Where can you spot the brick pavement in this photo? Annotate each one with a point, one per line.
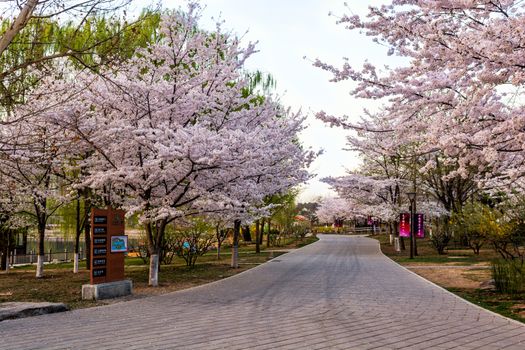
(339, 293)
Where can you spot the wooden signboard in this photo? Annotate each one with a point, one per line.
(108, 245)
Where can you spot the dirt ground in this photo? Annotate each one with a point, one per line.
(458, 277)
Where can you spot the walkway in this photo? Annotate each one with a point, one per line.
(338, 293)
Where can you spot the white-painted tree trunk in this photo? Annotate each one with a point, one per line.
(75, 263)
(154, 270)
(40, 266)
(235, 257)
(391, 239)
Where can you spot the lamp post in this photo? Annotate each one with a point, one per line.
(412, 198)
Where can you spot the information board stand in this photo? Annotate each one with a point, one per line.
(108, 247)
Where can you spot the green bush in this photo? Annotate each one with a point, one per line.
(440, 240)
(509, 276)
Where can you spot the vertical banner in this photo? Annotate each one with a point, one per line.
(404, 225)
(420, 226)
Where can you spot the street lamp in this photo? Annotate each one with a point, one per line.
(412, 198)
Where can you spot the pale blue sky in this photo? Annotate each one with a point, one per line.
(286, 31)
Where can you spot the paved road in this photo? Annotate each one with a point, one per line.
(339, 293)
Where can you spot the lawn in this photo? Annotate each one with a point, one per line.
(61, 285)
(428, 255)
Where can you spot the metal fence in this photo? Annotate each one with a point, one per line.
(50, 256)
(54, 244)
(56, 250)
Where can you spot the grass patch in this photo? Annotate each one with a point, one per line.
(428, 255)
(306, 241)
(511, 306)
(61, 285)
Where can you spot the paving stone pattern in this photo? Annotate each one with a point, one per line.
(338, 293)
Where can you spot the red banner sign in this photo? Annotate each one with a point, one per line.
(404, 225)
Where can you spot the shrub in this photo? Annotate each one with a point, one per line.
(509, 276)
(475, 223)
(439, 241)
(508, 230)
(193, 241)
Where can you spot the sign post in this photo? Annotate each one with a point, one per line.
(108, 247)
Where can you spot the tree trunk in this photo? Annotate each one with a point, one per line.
(18, 24)
(24, 239)
(155, 236)
(401, 239)
(40, 266)
(75, 263)
(219, 241)
(235, 247)
(7, 260)
(246, 235)
(257, 238)
(153, 270)
(3, 262)
(87, 229)
(78, 231)
(87, 241)
(4, 239)
(41, 251)
(261, 236)
(269, 229)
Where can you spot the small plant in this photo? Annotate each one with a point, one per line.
(509, 276)
(275, 237)
(475, 223)
(439, 241)
(193, 241)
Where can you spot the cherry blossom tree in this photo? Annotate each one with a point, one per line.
(331, 210)
(459, 92)
(32, 160)
(175, 131)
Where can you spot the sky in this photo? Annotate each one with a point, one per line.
(290, 34)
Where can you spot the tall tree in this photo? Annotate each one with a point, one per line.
(459, 91)
(175, 132)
